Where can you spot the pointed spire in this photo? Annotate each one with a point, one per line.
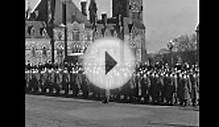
(84, 7)
(93, 11)
(27, 5)
(27, 9)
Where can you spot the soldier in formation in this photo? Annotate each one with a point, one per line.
(159, 84)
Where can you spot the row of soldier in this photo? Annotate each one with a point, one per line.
(159, 85)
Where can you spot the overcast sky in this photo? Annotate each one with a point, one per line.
(164, 19)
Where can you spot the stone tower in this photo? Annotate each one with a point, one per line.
(120, 7)
(93, 11)
(128, 8)
(133, 26)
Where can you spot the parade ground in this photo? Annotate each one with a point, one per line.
(45, 111)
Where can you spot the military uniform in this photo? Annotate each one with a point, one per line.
(27, 80)
(198, 85)
(116, 94)
(84, 86)
(33, 82)
(186, 90)
(106, 96)
(194, 90)
(138, 80)
(133, 89)
(47, 83)
(161, 88)
(155, 89)
(169, 89)
(41, 80)
(78, 82)
(175, 85)
(151, 89)
(37, 75)
(65, 82)
(56, 83)
(145, 83)
(52, 81)
(180, 89)
(73, 84)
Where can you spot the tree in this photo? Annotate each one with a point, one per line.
(186, 47)
(185, 42)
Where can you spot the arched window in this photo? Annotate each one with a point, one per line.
(29, 29)
(33, 51)
(76, 36)
(44, 52)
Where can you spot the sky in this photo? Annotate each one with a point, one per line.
(163, 19)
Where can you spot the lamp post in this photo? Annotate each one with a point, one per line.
(64, 25)
(170, 46)
(197, 34)
(197, 40)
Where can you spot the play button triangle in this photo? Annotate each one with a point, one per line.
(109, 63)
(103, 65)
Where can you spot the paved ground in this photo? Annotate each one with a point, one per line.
(44, 111)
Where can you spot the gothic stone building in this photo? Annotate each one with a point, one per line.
(37, 43)
(126, 23)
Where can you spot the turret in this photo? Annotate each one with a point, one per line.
(84, 7)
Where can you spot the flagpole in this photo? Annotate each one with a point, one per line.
(65, 26)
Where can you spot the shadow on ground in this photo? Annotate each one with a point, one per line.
(172, 125)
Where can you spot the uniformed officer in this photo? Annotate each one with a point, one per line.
(161, 87)
(186, 89)
(48, 84)
(57, 82)
(106, 98)
(169, 89)
(73, 84)
(84, 84)
(27, 80)
(33, 82)
(137, 81)
(194, 89)
(37, 75)
(151, 89)
(43, 78)
(132, 89)
(175, 85)
(155, 88)
(65, 81)
(198, 85)
(52, 80)
(180, 88)
(78, 81)
(60, 79)
(145, 83)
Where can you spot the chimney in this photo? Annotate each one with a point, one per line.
(104, 18)
(84, 7)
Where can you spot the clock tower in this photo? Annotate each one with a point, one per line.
(120, 7)
(136, 9)
(128, 8)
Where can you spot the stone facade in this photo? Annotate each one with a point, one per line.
(126, 24)
(78, 39)
(129, 28)
(37, 43)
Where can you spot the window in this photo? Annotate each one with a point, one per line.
(44, 52)
(76, 36)
(59, 36)
(89, 37)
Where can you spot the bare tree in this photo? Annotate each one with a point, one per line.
(185, 42)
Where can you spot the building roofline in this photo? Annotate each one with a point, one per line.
(35, 6)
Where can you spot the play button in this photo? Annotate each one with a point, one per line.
(109, 63)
